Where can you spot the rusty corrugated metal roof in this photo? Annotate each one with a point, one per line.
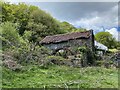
(65, 37)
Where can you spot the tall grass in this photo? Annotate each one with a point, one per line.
(60, 77)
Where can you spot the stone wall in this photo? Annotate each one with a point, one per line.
(70, 43)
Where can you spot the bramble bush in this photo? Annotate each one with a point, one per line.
(19, 47)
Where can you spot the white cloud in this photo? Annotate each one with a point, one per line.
(114, 32)
(99, 20)
(92, 23)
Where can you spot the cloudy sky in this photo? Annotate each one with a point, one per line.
(99, 16)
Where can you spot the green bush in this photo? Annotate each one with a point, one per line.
(9, 35)
(55, 60)
(51, 61)
(88, 56)
(75, 50)
(82, 49)
(100, 63)
(30, 53)
(27, 35)
(21, 48)
(45, 50)
(104, 63)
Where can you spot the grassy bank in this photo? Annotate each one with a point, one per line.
(60, 76)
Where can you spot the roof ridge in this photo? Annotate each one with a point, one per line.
(68, 33)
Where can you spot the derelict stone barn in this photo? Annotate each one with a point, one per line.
(60, 41)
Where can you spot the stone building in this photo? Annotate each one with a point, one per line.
(60, 41)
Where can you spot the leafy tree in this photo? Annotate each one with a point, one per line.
(31, 18)
(42, 24)
(67, 27)
(27, 36)
(21, 14)
(16, 14)
(106, 38)
(6, 12)
(80, 29)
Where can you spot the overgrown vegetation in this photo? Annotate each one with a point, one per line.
(60, 77)
(107, 39)
(22, 27)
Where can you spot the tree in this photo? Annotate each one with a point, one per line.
(16, 14)
(42, 24)
(106, 38)
(33, 19)
(6, 12)
(66, 27)
(30, 18)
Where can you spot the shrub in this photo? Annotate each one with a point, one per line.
(27, 35)
(100, 63)
(88, 56)
(55, 60)
(75, 50)
(45, 50)
(12, 65)
(30, 53)
(9, 34)
(82, 49)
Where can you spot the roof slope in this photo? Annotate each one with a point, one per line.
(101, 46)
(65, 37)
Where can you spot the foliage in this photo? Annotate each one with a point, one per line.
(30, 18)
(30, 54)
(52, 60)
(16, 14)
(22, 27)
(9, 35)
(42, 24)
(27, 35)
(55, 58)
(67, 27)
(118, 45)
(45, 50)
(103, 63)
(113, 50)
(60, 77)
(82, 49)
(88, 56)
(12, 65)
(24, 51)
(106, 38)
(33, 19)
